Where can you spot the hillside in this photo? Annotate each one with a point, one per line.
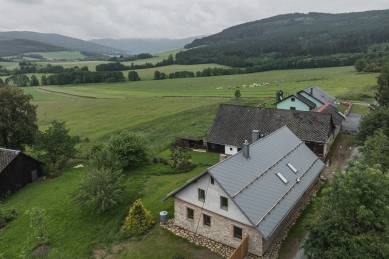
(16, 46)
(145, 45)
(59, 41)
(283, 38)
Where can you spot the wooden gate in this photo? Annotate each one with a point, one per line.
(242, 250)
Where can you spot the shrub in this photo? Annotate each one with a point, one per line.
(129, 147)
(38, 222)
(138, 221)
(101, 157)
(179, 158)
(100, 190)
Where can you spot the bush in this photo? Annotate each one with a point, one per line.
(101, 157)
(38, 223)
(179, 158)
(100, 190)
(129, 147)
(138, 221)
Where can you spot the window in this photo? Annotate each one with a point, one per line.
(292, 108)
(201, 195)
(224, 203)
(292, 167)
(238, 232)
(293, 99)
(190, 213)
(212, 180)
(206, 220)
(282, 177)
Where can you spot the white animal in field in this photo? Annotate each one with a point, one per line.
(219, 88)
(251, 86)
(244, 86)
(229, 87)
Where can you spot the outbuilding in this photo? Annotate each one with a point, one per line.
(17, 170)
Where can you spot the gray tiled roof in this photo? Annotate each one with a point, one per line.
(6, 157)
(336, 116)
(252, 184)
(320, 95)
(233, 124)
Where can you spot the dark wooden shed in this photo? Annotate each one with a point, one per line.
(17, 170)
(192, 142)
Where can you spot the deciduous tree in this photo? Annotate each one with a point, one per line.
(377, 119)
(55, 143)
(376, 150)
(34, 81)
(352, 220)
(17, 118)
(382, 94)
(237, 94)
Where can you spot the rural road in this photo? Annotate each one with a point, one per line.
(61, 94)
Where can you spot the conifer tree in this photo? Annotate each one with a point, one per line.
(139, 220)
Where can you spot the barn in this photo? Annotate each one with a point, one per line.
(17, 170)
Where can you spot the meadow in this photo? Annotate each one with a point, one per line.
(342, 82)
(160, 110)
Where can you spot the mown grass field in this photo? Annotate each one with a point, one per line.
(341, 82)
(60, 54)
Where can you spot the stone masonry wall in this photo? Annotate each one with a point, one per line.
(221, 229)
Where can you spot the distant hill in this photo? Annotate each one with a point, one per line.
(133, 45)
(42, 41)
(9, 47)
(295, 40)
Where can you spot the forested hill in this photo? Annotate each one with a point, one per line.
(291, 38)
(59, 41)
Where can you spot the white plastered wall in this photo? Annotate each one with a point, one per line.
(212, 200)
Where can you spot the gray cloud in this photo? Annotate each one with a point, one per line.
(88, 19)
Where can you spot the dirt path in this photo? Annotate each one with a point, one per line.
(61, 94)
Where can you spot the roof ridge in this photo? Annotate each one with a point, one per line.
(267, 169)
(323, 107)
(290, 188)
(261, 139)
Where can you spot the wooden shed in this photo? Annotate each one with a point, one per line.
(191, 142)
(17, 170)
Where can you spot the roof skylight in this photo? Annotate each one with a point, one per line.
(282, 177)
(292, 167)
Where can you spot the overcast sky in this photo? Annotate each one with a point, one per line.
(92, 19)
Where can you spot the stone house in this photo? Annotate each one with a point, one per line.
(253, 192)
(307, 99)
(233, 124)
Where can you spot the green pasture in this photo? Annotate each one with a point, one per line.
(60, 54)
(9, 65)
(73, 233)
(148, 74)
(342, 82)
(159, 119)
(40, 96)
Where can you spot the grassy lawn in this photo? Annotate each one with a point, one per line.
(197, 157)
(342, 108)
(361, 109)
(76, 234)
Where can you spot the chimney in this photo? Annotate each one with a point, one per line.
(311, 90)
(246, 149)
(255, 136)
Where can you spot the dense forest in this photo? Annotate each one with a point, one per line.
(295, 41)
